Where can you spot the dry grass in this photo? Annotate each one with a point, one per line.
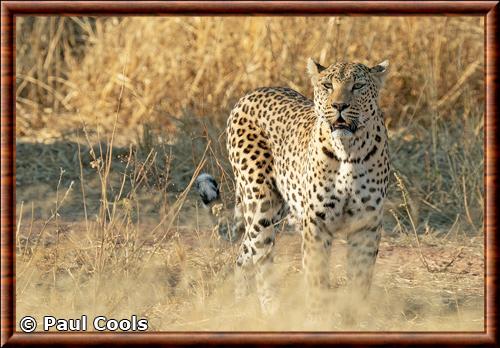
(115, 117)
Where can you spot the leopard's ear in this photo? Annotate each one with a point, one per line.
(313, 69)
(379, 72)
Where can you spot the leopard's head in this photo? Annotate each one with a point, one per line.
(346, 95)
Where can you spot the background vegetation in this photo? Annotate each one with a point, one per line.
(115, 116)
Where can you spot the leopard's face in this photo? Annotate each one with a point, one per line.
(346, 95)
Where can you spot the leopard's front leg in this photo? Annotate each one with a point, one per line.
(316, 247)
(362, 251)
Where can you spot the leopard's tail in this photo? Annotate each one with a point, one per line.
(207, 188)
(229, 226)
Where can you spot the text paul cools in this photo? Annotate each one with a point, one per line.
(99, 323)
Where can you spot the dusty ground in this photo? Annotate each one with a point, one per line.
(185, 284)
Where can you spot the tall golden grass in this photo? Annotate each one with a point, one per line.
(202, 65)
(148, 99)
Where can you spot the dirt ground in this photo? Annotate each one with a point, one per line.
(186, 284)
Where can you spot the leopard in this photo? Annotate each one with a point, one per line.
(323, 160)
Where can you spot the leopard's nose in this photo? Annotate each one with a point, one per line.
(340, 106)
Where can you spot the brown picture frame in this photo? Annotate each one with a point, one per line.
(11, 9)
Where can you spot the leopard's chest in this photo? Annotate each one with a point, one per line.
(350, 197)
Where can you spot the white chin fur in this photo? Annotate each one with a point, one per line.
(341, 133)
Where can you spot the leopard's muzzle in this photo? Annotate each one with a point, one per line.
(342, 128)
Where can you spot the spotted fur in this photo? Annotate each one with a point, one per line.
(326, 160)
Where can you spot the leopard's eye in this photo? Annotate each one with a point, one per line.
(327, 85)
(357, 86)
